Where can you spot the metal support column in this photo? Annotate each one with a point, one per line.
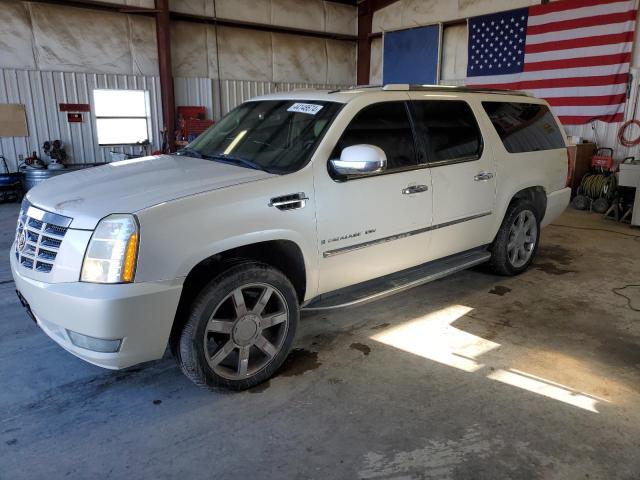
(365, 20)
(366, 9)
(163, 33)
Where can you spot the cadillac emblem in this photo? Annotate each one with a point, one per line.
(22, 241)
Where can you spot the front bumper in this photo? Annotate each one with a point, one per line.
(140, 314)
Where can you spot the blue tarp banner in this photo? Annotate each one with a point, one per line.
(411, 56)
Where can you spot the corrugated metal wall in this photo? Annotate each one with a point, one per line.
(222, 96)
(42, 92)
(195, 91)
(234, 92)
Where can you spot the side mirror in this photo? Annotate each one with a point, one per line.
(360, 160)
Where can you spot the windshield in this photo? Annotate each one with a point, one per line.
(277, 136)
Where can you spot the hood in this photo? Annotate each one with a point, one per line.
(128, 186)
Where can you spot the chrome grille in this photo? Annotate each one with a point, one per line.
(39, 235)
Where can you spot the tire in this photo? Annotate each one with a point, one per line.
(509, 237)
(240, 328)
(580, 202)
(601, 205)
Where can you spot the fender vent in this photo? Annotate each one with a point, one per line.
(293, 201)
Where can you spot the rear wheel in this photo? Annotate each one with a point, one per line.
(517, 240)
(240, 329)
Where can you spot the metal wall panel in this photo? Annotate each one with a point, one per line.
(42, 92)
(228, 94)
(234, 92)
(195, 91)
(606, 135)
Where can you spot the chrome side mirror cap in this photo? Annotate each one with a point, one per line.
(360, 160)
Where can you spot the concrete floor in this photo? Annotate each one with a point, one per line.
(474, 376)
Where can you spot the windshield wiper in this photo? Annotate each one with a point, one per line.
(189, 152)
(243, 162)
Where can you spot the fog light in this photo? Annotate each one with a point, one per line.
(94, 344)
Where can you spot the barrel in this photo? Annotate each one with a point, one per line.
(34, 176)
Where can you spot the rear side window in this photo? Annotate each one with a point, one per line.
(524, 127)
(385, 125)
(448, 129)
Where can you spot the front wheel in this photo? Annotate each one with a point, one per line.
(517, 240)
(241, 328)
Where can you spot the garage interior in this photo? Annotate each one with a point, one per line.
(471, 376)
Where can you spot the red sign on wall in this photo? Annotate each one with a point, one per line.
(74, 117)
(75, 107)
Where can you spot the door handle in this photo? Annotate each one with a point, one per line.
(411, 189)
(481, 176)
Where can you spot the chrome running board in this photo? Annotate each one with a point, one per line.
(397, 282)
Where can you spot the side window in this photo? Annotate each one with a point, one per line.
(385, 125)
(524, 127)
(448, 129)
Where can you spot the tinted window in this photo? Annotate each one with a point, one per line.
(524, 127)
(385, 125)
(448, 129)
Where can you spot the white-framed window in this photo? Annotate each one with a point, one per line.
(122, 117)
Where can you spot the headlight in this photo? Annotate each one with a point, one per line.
(112, 252)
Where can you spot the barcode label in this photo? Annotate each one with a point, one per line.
(308, 108)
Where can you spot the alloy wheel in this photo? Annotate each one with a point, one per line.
(246, 331)
(522, 238)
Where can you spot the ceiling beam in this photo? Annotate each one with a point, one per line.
(223, 22)
(376, 5)
(100, 5)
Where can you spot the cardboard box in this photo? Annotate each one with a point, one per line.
(13, 121)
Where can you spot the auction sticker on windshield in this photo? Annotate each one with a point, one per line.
(308, 108)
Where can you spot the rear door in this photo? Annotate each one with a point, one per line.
(463, 171)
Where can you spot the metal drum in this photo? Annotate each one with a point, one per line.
(34, 176)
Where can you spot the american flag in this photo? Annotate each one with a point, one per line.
(573, 53)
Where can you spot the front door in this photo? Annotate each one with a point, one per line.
(463, 172)
(378, 224)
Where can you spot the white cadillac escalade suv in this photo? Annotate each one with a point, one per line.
(299, 200)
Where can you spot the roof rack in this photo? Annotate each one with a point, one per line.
(440, 88)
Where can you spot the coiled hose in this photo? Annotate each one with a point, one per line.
(622, 134)
(598, 185)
